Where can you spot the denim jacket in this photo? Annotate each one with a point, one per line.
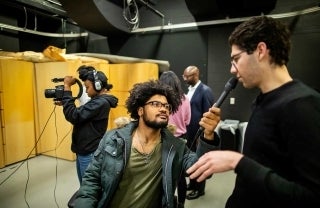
(103, 175)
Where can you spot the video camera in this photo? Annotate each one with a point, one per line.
(57, 93)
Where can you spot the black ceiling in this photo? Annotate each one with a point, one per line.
(211, 9)
(105, 17)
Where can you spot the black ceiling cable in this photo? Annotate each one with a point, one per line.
(35, 23)
(63, 28)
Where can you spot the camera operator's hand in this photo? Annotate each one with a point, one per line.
(68, 82)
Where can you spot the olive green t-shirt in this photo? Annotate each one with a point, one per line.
(141, 182)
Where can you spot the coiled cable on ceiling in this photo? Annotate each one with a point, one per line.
(131, 13)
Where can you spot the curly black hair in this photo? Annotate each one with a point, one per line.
(142, 92)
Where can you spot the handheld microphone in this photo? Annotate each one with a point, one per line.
(55, 80)
(230, 85)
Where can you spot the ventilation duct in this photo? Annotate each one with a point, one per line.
(98, 16)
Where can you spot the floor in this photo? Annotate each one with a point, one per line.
(47, 182)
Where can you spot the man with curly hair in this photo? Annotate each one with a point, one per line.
(139, 164)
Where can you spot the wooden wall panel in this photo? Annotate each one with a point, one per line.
(141, 72)
(17, 110)
(34, 122)
(123, 77)
(54, 129)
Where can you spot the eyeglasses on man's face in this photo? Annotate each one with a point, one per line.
(159, 105)
(187, 75)
(235, 58)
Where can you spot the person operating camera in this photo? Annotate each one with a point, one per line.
(90, 120)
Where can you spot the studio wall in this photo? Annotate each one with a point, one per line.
(204, 46)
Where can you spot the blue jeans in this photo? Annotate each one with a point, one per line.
(82, 163)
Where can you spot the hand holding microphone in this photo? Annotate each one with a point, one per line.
(209, 122)
(230, 85)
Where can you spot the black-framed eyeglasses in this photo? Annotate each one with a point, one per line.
(158, 105)
(235, 58)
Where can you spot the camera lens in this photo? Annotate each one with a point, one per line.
(50, 93)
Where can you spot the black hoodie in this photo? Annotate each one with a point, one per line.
(89, 121)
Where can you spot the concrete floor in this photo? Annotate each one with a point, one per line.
(47, 182)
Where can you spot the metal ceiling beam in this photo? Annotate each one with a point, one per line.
(193, 25)
(35, 32)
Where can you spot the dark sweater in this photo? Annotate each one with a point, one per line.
(281, 167)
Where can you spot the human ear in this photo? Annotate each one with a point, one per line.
(262, 49)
